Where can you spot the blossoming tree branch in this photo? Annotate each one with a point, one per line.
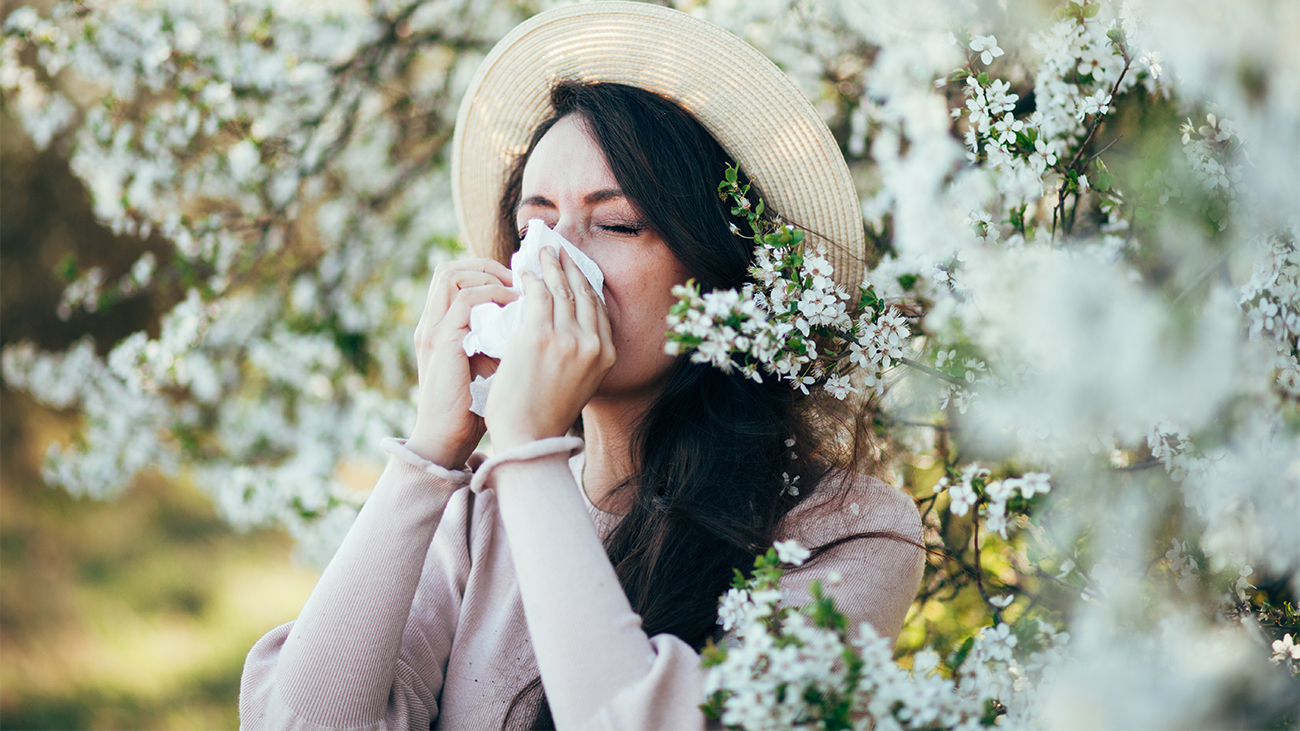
(1078, 329)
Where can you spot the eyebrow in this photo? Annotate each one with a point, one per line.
(591, 199)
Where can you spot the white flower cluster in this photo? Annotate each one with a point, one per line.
(1264, 456)
(722, 322)
(123, 428)
(242, 131)
(765, 679)
(1183, 565)
(972, 488)
(1286, 651)
(1209, 150)
(83, 292)
(1076, 80)
(1271, 302)
(150, 365)
(42, 111)
(776, 322)
(884, 340)
(968, 375)
(775, 331)
(783, 668)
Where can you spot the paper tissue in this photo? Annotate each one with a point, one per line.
(491, 325)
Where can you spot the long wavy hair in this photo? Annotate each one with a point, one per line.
(710, 454)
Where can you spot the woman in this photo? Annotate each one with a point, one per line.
(592, 564)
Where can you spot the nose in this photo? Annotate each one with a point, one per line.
(567, 226)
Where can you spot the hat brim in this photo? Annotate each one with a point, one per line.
(748, 104)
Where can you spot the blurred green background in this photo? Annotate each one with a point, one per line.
(134, 613)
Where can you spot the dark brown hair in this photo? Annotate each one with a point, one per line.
(709, 455)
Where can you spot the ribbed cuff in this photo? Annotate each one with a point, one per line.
(398, 449)
(547, 447)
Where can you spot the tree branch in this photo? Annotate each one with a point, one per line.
(932, 372)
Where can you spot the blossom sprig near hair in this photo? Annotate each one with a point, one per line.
(792, 320)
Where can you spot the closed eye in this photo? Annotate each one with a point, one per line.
(623, 230)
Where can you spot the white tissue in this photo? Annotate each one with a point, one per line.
(491, 325)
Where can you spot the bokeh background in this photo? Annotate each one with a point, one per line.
(299, 162)
(130, 613)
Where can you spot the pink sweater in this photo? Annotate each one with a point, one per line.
(419, 620)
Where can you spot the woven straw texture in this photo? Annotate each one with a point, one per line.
(749, 105)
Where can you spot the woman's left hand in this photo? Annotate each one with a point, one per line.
(555, 360)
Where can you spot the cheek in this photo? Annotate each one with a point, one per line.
(639, 296)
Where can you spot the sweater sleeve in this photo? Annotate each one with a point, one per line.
(599, 668)
(872, 578)
(350, 661)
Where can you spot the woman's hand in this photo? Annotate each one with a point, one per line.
(446, 431)
(556, 359)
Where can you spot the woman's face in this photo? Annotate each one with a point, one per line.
(568, 184)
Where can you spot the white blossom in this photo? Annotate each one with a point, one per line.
(986, 47)
(790, 552)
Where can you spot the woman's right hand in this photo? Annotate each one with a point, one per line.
(446, 431)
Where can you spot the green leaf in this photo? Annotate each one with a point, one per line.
(869, 298)
(1104, 181)
(716, 703)
(1018, 217)
(1090, 11)
(67, 268)
(983, 78)
(758, 210)
(991, 713)
(731, 174)
(959, 656)
(1071, 181)
(712, 655)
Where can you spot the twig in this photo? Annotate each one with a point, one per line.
(925, 424)
(1096, 125)
(979, 570)
(932, 372)
(1139, 466)
(1109, 145)
(1192, 285)
(1059, 210)
(1043, 574)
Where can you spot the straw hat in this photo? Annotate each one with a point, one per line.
(748, 104)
